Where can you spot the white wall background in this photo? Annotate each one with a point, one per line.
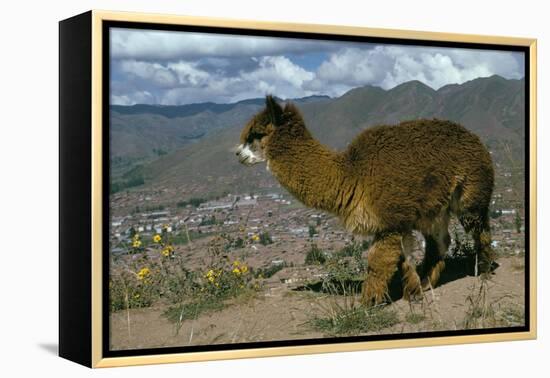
(29, 174)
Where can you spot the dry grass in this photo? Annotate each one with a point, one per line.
(354, 320)
(415, 318)
(485, 313)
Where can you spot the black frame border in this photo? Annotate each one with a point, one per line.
(75, 194)
(107, 25)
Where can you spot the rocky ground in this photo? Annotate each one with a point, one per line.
(286, 310)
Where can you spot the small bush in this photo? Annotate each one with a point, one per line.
(132, 289)
(356, 320)
(195, 202)
(265, 238)
(191, 310)
(269, 271)
(315, 256)
(351, 250)
(233, 243)
(209, 221)
(311, 230)
(132, 179)
(210, 289)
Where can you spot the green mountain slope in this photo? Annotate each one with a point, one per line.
(492, 107)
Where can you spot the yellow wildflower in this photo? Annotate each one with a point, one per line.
(236, 263)
(244, 269)
(210, 275)
(256, 237)
(157, 238)
(136, 243)
(237, 271)
(143, 273)
(167, 251)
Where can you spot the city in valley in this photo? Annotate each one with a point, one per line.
(193, 216)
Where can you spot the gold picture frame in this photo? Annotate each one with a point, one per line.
(82, 109)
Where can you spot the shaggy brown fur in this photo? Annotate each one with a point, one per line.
(382, 259)
(389, 181)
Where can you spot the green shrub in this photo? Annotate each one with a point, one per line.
(269, 271)
(132, 289)
(265, 238)
(315, 256)
(355, 320)
(195, 202)
(209, 221)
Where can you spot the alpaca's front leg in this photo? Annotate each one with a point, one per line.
(383, 259)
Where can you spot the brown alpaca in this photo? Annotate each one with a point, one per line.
(389, 181)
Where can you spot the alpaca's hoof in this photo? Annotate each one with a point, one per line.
(426, 284)
(373, 294)
(412, 290)
(370, 299)
(413, 294)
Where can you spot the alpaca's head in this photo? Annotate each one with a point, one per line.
(257, 131)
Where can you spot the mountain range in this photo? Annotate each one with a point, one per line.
(143, 132)
(171, 145)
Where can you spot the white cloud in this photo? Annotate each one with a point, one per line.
(138, 97)
(189, 74)
(176, 68)
(184, 82)
(354, 65)
(173, 45)
(154, 72)
(284, 69)
(388, 66)
(278, 75)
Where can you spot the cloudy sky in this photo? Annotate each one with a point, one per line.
(174, 68)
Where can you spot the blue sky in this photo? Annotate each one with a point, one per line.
(174, 68)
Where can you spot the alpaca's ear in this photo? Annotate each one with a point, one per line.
(274, 110)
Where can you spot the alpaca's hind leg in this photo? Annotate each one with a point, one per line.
(478, 224)
(410, 278)
(433, 264)
(437, 244)
(383, 259)
(483, 245)
(473, 212)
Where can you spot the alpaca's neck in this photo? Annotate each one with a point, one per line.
(307, 169)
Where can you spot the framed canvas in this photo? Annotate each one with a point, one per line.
(235, 189)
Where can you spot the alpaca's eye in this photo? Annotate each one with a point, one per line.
(254, 136)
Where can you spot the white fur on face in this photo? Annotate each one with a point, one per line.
(247, 155)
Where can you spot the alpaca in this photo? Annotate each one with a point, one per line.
(389, 181)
